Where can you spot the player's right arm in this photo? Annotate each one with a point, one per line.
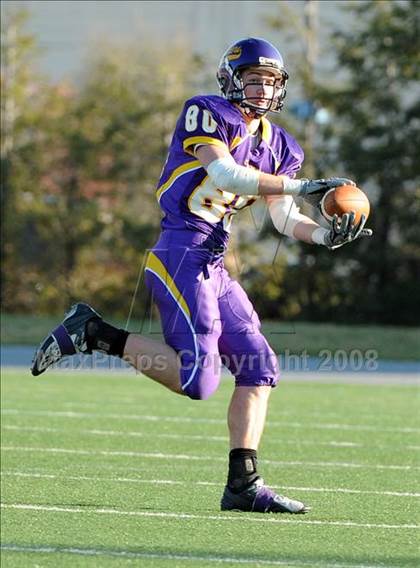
(226, 174)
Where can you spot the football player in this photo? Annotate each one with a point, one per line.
(224, 155)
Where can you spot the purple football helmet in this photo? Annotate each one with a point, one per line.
(252, 52)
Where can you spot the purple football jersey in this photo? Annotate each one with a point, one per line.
(185, 193)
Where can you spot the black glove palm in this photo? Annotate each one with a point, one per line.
(345, 230)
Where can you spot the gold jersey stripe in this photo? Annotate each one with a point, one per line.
(179, 171)
(266, 136)
(155, 265)
(202, 140)
(235, 142)
(266, 130)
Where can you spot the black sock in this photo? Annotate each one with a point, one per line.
(104, 337)
(242, 469)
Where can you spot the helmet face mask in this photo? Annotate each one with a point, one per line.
(260, 85)
(257, 55)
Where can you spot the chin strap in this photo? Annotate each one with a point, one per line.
(252, 112)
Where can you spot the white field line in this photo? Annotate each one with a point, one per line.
(188, 516)
(191, 420)
(138, 434)
(199, 483)
(191, 457)
(127, 434)
(75, 405)
(254, 561)
(213, 404)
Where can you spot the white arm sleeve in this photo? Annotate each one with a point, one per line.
(227, 175)
(285, 214)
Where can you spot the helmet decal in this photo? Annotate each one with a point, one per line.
(234, 53)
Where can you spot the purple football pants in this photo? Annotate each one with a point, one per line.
(206, 316)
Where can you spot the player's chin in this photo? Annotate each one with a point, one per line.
(263, 107)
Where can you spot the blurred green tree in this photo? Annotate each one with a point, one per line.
(377, 124)
(373, 137)
(109, 140)
(19, 81)
(83, 180)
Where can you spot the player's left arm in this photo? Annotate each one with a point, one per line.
(289, 221)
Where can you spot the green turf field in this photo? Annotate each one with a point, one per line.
(107, 469)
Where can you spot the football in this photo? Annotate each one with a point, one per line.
(345, 199)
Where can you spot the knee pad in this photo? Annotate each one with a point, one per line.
(202, 380)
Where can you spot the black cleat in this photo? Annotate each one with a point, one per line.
(260, 499)
(66, 339)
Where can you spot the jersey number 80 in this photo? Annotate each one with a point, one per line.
(208, 124)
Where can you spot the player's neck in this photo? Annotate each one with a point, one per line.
(252, 124)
